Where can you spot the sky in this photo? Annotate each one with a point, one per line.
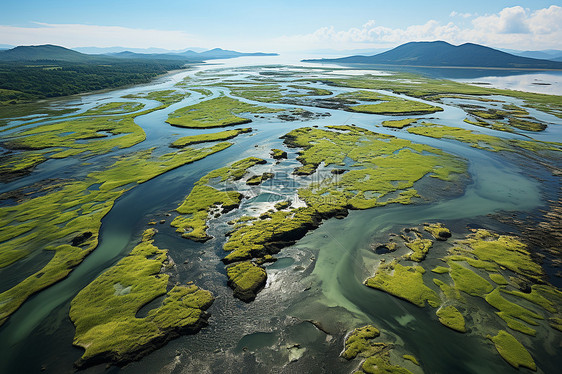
(280, 26)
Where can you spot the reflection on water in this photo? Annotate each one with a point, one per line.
(547, 83)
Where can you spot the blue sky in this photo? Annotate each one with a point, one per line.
(281, 25)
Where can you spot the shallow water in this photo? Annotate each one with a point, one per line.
(320, 278)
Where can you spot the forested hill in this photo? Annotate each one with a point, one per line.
(35, 72)
(443, 54)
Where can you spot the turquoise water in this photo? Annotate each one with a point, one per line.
(318, 279)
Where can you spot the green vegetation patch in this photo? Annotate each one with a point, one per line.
(400, 123)
(397, 106)
(420, 247)
(438, 231)
(441, 270)
(96, 135)
(449, 316)
(246, 279)
(512, 351)
(475, 140)
(311, 91)
(504, 250)
(479, 264)
(490, 113)
(497, 278)
(218, 112)
(498, 126)
(381, 364)
(11, 97)
(16, 164)
(114, 108)
(278, 154)
(166, 97)
(204, 138)
(556, 323)
(405, 282)
(480, 141)
(451, 293)
(259, 179)
(282, 205)
(411, 358)
(195, 209)
(266, 93)
(268, 235)
(468, 281)
(360, 342)
(515, 110)
(104, 312)
(527, 125)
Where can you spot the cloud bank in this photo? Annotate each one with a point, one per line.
(514, 27)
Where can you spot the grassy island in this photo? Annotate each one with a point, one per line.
(405, 282)
(104, 312)
(400, 123)
(452, 318)
(218, 112)
(512, 351)
(205, 138)
(246, 279)
(376, 355)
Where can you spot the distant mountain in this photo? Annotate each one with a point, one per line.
(219, 53)
(108, 50)
(150, 56)
(440, 53)
(545, 54)
(535, 54)
(45, 52)
(346, 52)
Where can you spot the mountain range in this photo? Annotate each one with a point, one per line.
(443, 54)
(56, 53)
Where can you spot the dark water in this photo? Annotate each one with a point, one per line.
(318, 279)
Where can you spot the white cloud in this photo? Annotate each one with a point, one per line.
(509, 21)
(463, 15)
(369, 33)
(547, 21)
(75, 35)
(514, 27)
